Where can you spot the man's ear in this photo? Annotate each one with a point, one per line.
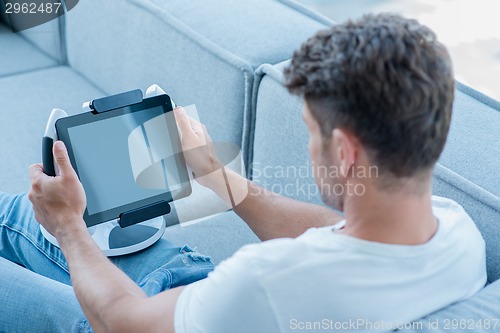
(344, 146)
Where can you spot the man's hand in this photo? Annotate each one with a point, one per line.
(197, 146)
(58, 202)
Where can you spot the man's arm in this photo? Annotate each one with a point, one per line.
(111, 301)
(268, 214)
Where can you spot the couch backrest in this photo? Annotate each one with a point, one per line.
(200, 52)
(47, 37)
(467, 171)
(280, 155)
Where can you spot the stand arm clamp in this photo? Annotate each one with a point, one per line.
(117, 101)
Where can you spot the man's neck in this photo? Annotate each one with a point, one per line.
(390, 217)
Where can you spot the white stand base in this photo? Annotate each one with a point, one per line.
(116, 241)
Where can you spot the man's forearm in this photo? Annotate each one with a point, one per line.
(268, 214)
(98, 284)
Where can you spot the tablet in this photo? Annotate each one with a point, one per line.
(127, 158)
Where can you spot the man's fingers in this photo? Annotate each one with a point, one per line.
(195, 125)
(182, 120)
(187, 123)
(35, 171)
(62, 159)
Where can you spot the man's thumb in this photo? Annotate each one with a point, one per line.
(62, 158)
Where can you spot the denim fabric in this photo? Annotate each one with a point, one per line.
(39, 297)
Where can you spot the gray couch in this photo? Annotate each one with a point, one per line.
(227, 57)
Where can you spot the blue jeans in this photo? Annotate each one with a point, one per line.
(35, 287)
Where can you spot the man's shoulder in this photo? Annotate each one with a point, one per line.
(452, 216)
(270, 251)
(279, 254)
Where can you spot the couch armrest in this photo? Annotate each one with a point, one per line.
(479, 314)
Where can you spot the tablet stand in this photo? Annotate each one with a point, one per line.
(134, 230)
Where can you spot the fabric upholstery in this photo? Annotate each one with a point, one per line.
(201, 52)
(29, 99)
(18, 55)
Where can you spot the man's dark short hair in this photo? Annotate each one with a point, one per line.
(387, 80)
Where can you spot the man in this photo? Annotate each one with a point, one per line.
(378, 93)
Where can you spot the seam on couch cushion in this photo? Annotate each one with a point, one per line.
(272, 71)
(58, 61)
(206, 42)
(479, 96)
(247, 121)
(268, 69)
(308, 12)
(29, 71)
(187, 31)
(466, 186)
(61, 26)
(249, 130)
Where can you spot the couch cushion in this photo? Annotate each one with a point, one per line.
(477, 314)
(19, 55)
(280, 143)
(201, 52)
(29, 99)
(218, 237)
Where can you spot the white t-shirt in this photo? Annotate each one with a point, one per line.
(326, 281)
